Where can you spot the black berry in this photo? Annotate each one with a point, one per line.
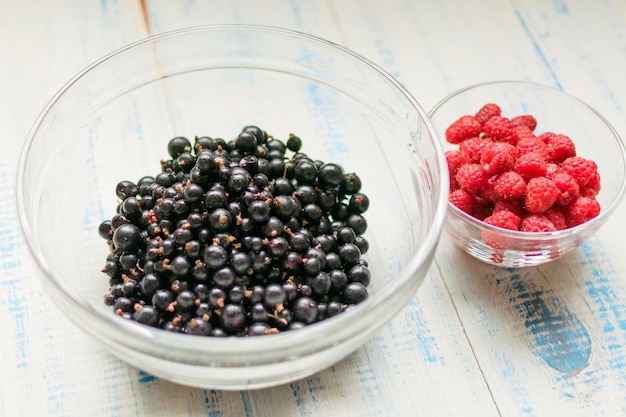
(241, 237)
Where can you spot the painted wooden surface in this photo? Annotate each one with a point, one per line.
(474, 341)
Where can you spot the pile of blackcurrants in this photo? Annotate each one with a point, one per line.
(242, 237)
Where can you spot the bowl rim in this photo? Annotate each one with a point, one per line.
(541, 236)
(235, 345)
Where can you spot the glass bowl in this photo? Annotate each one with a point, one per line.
(555, 111)
(112, 122)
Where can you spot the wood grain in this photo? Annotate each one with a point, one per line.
(474, 341)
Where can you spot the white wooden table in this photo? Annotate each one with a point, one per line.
(474, 341)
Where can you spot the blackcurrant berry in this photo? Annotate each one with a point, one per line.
(305, 310)
(233, 318)
(198, 327)
(177, 146)
(294, 143)
(330, 175)
(351, 183)
(104, 230)
(354, 293)
(359, 203)
(126, 237)
(246, 142)
(125, 189)
(147, 315)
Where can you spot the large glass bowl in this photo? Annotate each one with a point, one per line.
(555, 111)
(112, 122)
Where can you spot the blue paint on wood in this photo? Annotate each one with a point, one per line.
(609, 302)
(247, 404)
(212, 403)
(299, 396)
(12, 284)
(421, 331)
(144, 377)
(542, 56)
(561, 7)
(559, 338)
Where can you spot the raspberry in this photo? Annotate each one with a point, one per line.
(509, 186)
(514, 206)
(580, 168)
(526, 120)
(593, 186)
(545, 136)
(560, 147)
(500, 129)
(556, 216)
(473, 147)
(488, 192)
(551, 169)
(481, 208)
(528, 144)
(465, 127)
(530, 165)
(581, 210)
(521, 133)
(507, 175)
(498, 157)
(455, 159)
(471, 178)
(541, 193)
(504, 219)
(488, 111)
(462, 200)
(537, 223)
(568, 188)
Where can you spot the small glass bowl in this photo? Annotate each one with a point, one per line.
(112, 122)
(555, 111)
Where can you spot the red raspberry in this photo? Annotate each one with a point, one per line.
(505, 174)
(488, 193)
(499, 129)
(568, 188)
(580, 168)
(551, 169)
(530, 165)
(541, 193)
(593, 186)
(581, 210)
(526, 120)
(481, 208)
(504, 219)
(498, 157)
(455, 159)
(509, 186)
(545, 136)
(557, 218)
(560, 147)
(488, 111)
(528, 144)
(471, 178)
(514, 206)
(537, 223)
(465, 127)
(473, 147)
(462, 200)
(521, 133)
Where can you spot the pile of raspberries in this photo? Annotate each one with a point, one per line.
(507, 175)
